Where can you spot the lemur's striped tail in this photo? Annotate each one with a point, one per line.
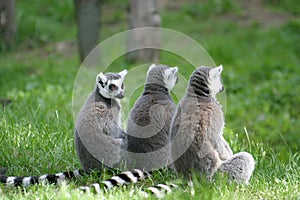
(159, 190)
(126, 178)
(44, 179)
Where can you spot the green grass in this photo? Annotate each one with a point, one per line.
(261, 77)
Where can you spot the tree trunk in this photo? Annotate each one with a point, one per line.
(8, 24)
(88, 23)
(143, 13)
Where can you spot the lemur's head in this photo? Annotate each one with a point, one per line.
(206, 81)
(111, 85)
(215, 80)
(162, 75)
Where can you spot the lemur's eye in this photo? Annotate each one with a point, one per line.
(112, 87)
(122, 86)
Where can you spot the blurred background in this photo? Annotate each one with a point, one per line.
(42, 44)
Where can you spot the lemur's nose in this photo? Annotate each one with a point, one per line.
(120, 95)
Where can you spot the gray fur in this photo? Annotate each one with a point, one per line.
(198, 125)
(239, 167)
(149, 120)
(98, 132)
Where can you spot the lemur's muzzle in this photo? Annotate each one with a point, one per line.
(120, 95)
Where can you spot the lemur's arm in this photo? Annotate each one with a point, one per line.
(223, 148)
(114, 130)
(108, 121)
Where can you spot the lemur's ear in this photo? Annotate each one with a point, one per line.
(123, 73)
(151, 67)
(174, 70)
(214, 72)
(171, 71)
(101, 79)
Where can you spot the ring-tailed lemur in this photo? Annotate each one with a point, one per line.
(198, 127)
(149, 120)
(100, 116)
(99, 136)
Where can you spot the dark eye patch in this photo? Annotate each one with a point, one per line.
(101, 83)
(122, 86)
(113, 87)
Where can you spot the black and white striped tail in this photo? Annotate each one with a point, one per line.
(159, 190)
(44, 179)
(126, 178)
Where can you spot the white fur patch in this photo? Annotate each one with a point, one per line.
(150, 68)
(42, 179)
(165, 187)
(26, 181)
(170, 77)
(119, 180)
(76, 173)
(108, 184)
(214, 81)
(97, 188)
(10, 180)
(60, 175)
(130, 176)
(101, 77)
(156, 192)
(123, 73)
(141, 174)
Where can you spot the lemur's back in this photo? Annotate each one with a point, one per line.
(197, 122)
(197, 132)
(161, 108)
(149, 120)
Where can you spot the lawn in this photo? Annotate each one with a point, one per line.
(257, 44)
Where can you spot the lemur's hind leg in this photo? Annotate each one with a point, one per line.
(239, 167)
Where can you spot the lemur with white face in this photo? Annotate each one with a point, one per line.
(99, 136)
(98, 121)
